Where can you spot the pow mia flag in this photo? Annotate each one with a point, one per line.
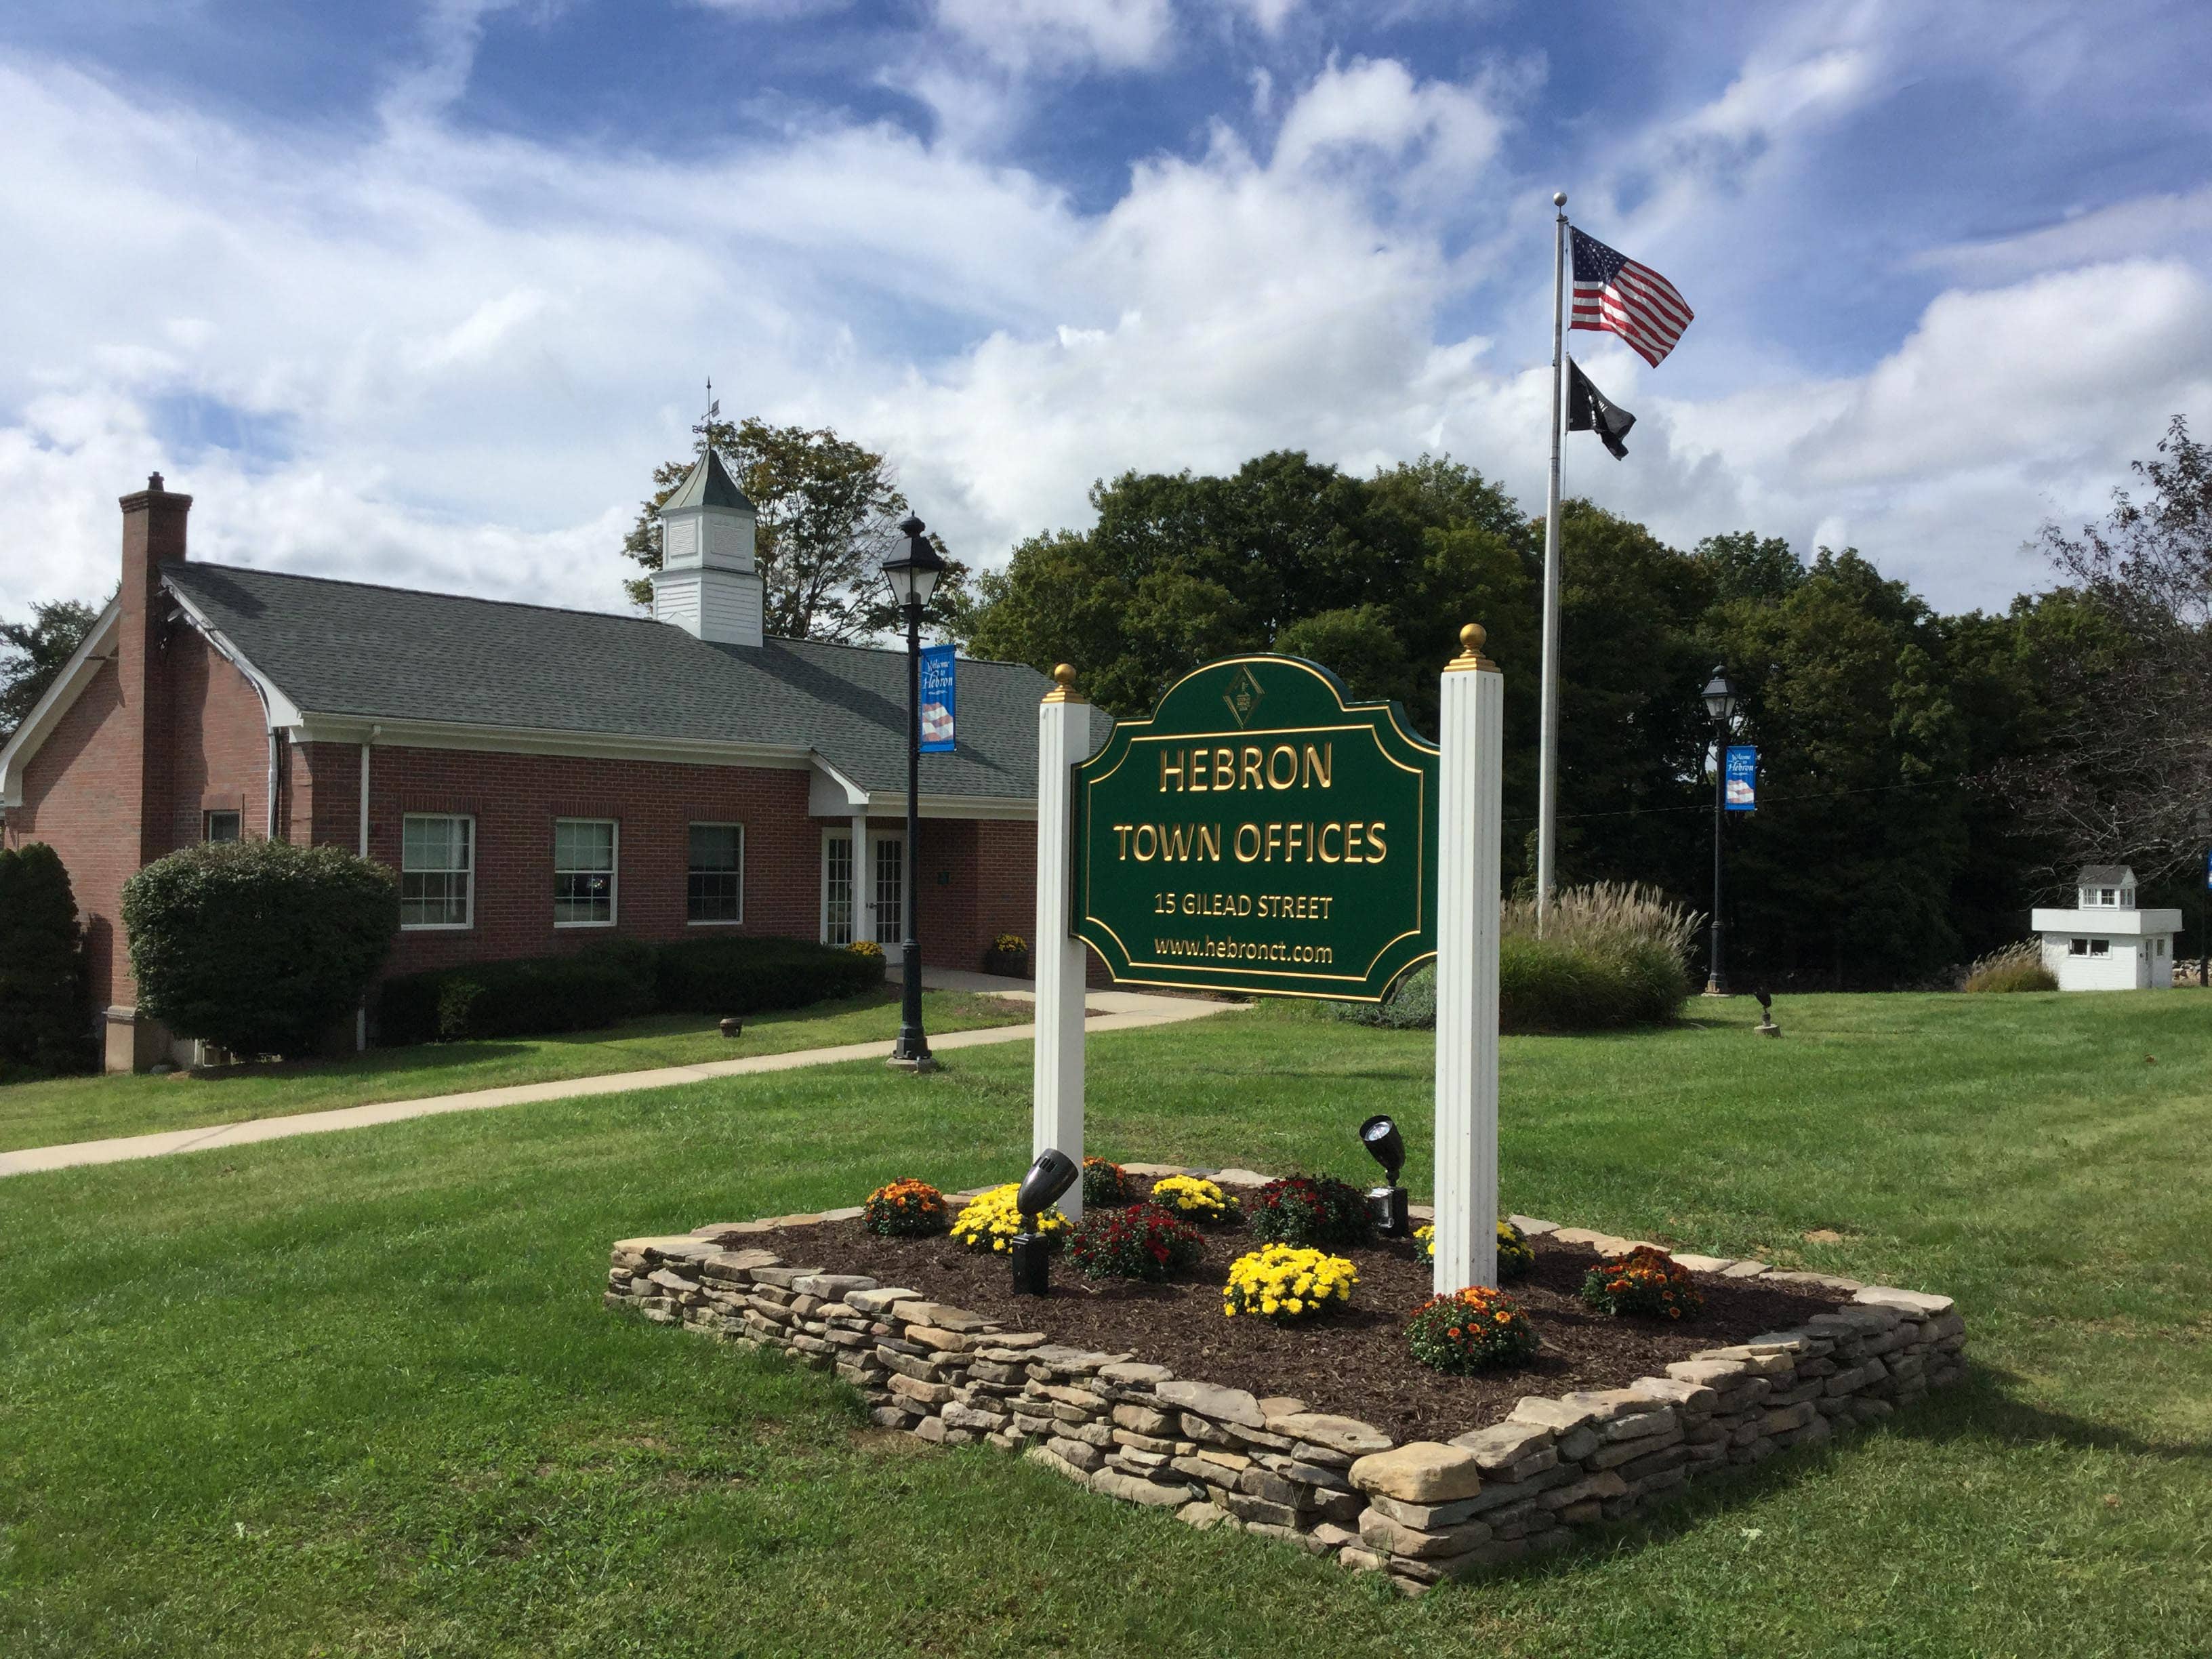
(1589, 410)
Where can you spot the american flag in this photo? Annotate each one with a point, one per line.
(1616, 296)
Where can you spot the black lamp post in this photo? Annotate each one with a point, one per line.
(912, 570)
(1721, 704)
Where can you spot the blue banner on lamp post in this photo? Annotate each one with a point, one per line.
(1742, 770)
(936, 699)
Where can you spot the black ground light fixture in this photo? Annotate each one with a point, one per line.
(1385, 1205)
(912, 571)
(1721, 703)
(1053, 1174)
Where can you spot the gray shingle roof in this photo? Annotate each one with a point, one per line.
(2104, 875)
(351, 649)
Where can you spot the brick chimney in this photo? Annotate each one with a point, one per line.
(153, 533)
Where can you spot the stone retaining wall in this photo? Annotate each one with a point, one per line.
(1422, 1511)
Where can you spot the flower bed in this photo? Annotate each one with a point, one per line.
(1358, 1451)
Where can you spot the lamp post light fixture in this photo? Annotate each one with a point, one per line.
(1720, 702)
(912, 571)
(1030, 1252)
(1385, 1205)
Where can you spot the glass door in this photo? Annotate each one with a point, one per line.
(837, 887)
(891, 889)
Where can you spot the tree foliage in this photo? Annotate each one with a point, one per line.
(258, 945)
(33, 652)
(2125, 775)
(1880, 855)
(828, 512)
(45, 1013)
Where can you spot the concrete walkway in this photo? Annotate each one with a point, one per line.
(1105, 1011)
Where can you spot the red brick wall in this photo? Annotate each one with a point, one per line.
(81, 790)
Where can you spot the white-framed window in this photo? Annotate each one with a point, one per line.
(891, 889)
(714, 882)
(837, 887)
(2077, 947)
(2101, 947)
(221, 826)
(437, 870)
(2158, 947)
(584, 856)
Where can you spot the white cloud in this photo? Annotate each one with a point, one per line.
(1057, 34)
(472, 351)
(2146, 225)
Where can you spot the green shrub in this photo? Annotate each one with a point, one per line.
(1310, 1209)
(534, 996)
(45, 1019)
(258, 945)
(2017, 967)
(754, 976)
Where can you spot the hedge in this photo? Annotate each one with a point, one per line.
(45, 1017)
(258, 945)
(539, 996)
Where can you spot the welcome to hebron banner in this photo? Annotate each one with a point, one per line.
(1260, 833)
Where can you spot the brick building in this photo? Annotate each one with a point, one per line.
(539, 778)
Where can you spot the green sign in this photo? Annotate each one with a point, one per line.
(1259, 833)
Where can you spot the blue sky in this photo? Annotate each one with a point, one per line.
(420, 290)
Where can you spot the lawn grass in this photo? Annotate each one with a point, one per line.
(354, 1394)
(57, 1110)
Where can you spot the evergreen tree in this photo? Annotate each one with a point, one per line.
(45, 1019)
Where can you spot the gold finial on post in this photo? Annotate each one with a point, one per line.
(1471, 639)
(1065, 691)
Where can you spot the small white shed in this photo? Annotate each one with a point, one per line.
(2105, 943)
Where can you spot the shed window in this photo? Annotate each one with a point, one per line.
(437, 871)
(2077, 947)
(2101, 947)
(2107, 896)
(583, 873)
(715, 889)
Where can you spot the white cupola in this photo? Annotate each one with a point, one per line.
(707, 585)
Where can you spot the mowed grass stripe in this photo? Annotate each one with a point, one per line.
(354, 1394)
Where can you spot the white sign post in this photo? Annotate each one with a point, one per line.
(1472, 738)
(1056, 956)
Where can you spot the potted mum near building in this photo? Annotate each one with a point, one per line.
(1008, 956)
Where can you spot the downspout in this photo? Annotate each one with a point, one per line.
(361, 1014)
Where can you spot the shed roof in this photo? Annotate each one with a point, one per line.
(2106, 875)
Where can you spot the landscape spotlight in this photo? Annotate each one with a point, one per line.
(1052, 1174)
(1386, 1204)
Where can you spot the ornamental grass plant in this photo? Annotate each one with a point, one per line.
(1611, 955)
(1310, 1209)
(905, 1209)
(1476, 1329)
(1286, 1284)
(1140, 1241)
(1645, 1282)
(2018, 967)
(990, 1222)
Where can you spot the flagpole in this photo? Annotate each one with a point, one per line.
(1548, 765)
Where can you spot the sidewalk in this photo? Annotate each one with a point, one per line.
(1105, 1011)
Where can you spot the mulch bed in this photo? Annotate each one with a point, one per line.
(1352, 1361)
